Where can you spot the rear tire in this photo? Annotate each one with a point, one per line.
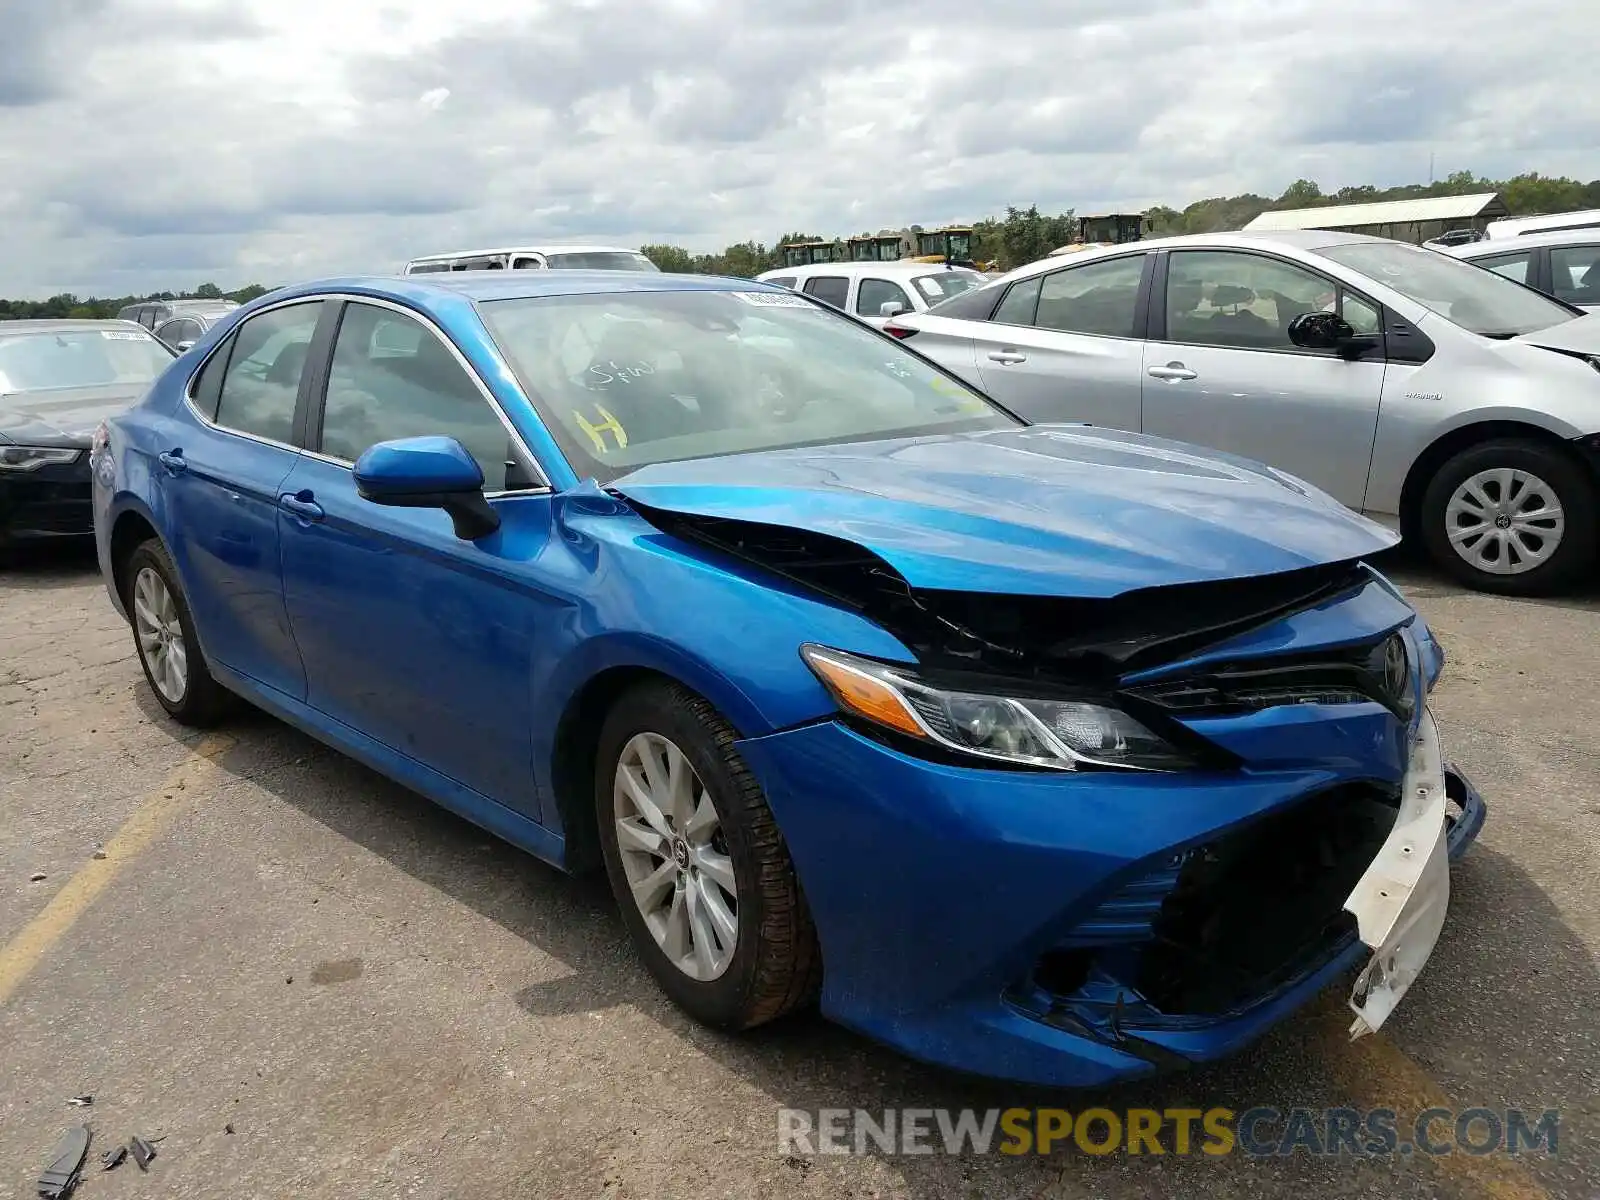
(163, 634)
(680, 855)
(1511, 516)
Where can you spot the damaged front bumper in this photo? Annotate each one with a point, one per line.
(955, 884)
(1400, 903)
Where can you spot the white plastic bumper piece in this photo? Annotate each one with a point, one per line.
(1399, 904)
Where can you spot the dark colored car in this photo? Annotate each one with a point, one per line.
(58, 380)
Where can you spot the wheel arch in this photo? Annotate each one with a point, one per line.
(130, 529)
(606, 673)
(1452, 442)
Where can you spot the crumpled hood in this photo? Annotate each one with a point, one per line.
(1062, 510)
(1581, 335)
(62, 416)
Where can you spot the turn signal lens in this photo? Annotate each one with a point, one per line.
(860, 693)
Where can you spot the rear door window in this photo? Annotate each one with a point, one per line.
(1095, 298)
(1512, 266)
(262, 380)
(873, 294)
(1021, 301)
(830, 289)
(1575, 273)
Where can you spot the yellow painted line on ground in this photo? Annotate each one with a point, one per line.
(149, 817)
(1375, 1073)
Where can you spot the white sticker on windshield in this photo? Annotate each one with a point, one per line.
(774, 299)
(930, 286)
(117, 335)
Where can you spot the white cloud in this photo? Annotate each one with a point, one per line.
(159, 143)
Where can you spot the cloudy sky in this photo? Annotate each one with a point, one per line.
(148, 144)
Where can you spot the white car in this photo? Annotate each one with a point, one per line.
(876, 291)
(533, 258)
(1564, 264)
(1433, 396)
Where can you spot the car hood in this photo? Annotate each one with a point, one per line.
(62, 416)
(1581, 335)
(1061, 510)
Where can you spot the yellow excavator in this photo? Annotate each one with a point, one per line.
(877, 247)
(1106, 229)
(804, 254)
(951, 245)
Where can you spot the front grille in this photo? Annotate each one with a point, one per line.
(1346, 676)
(1222, 925)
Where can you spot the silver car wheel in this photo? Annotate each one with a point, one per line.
(1505, 521)
(160, 636)
(676, 860)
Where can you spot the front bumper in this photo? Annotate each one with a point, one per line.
(53, 501)
(939, 890)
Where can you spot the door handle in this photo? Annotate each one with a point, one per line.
(1171, 372)
(303, 505)
(173, 461)
(1009, 357)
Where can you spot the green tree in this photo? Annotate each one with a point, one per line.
(673, 259)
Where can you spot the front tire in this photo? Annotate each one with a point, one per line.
(701, 873)
(163, 633)
(1511, 516)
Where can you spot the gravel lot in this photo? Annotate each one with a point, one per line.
(312, 983)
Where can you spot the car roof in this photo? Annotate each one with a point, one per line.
(898, 267)
(519, 285)
(1510, 245)
(525, 248)
(64, 325)
(1238, 239)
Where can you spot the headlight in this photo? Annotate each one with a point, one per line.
(31, 458)
(1063, 735)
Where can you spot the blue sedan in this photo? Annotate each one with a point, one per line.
(1046, 752)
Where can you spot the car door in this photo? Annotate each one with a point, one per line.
(1220, 370)
(1065, 346)
(219, 477)
(410, 635)
(873, 293)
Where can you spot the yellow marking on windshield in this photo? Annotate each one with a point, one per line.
(595, 431)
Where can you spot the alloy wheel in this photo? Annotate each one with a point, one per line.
(675, 856)
(160, 635)
(1505, 521)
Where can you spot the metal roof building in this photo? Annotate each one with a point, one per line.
(1405, 220)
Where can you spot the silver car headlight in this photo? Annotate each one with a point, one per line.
(1063, 735)
(31, 458)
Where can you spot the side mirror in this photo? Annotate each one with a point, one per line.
(891, 308)
(1329, 331)
(428, 472)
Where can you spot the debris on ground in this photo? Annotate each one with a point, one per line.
(228, 1128)
(38, 877)
(65, 1167)
(143, 1151)
(113, 1158)
(83, 1101)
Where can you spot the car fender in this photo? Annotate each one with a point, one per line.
(1404, 437)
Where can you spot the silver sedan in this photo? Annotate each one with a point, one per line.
(1435, 397)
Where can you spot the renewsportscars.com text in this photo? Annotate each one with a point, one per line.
(1258, 1132)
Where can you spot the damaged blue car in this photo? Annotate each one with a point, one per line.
(1051, 753)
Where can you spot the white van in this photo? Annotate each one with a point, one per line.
(875, 291)
(533, 258)
(1507, 227)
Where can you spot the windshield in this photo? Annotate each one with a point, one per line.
(632, 378)
(1470, 296)
(71, 358)
(601, 260)
(946, 284)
